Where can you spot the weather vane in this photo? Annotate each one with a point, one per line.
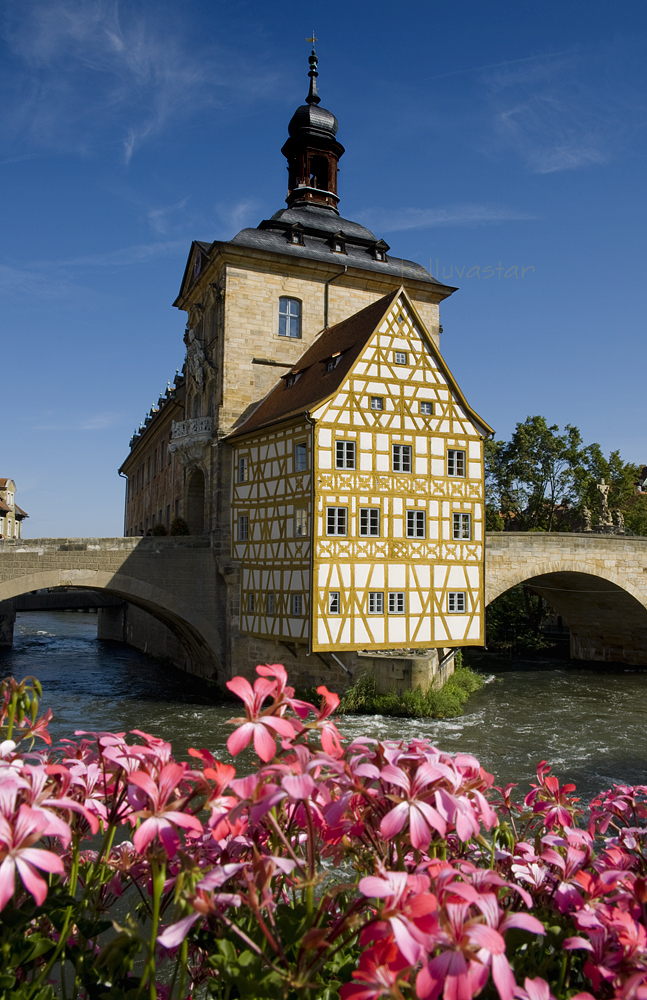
(312, 40)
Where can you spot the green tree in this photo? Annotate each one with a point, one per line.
(543, 479)
(532, 475)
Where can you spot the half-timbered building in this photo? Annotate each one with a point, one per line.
(357, 499)
(316, 436)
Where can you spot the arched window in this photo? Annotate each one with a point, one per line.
(289, 318)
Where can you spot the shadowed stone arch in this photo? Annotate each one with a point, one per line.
(173, 579)
(598, 585)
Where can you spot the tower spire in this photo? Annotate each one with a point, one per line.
(313, 96)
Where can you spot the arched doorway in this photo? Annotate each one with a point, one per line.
(195, 503)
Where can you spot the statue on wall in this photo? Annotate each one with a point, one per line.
(620, 522)
(586, 517)
(194, 358)
(605, 514)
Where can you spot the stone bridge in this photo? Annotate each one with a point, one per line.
(171, 578)
(597, 583)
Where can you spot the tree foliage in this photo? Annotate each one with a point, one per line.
(544, 479)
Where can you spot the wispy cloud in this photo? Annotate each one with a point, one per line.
(84, 74)
(563, 111)
(92, 422)
(126, 256)
(238, 215)
(159, 217)
(397, 220)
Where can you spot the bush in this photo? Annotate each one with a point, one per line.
(159, 529)
(179, 526)
(336, 872)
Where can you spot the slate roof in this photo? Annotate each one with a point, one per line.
(346, 339)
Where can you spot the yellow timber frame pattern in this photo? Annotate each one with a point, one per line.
(275, 562)
(425, 570)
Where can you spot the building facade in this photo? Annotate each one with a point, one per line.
(257, 307)
(11, 515)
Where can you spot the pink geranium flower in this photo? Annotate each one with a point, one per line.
(379, 972)
(261, 725)
(422, 817)
(18, 854)
(163, 814)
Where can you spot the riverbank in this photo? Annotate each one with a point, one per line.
(362, 698)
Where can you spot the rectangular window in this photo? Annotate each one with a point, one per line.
(336, 520)
(461, 526)
(415, 524)
(396, 603)
(289, 318)
(154, 463)
(455, 462)
(377, 402)
(300, 522)
(159, 517)
(402, 458)
(242, 470)
(334, 602)
(168, 516)
(369, 521)
(177, 508)
(148, 470)
(270, 604)
(401, 358)
(243, 528)
(300, 457)
(297, 604)
(456, 602)
(250, 604)
(375, 602)
(345, 455)
(427, 408)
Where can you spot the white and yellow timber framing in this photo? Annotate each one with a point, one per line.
(431, 586)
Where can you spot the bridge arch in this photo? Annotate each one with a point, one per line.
(604, 606)
(192, 629)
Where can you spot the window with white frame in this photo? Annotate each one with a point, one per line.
(375, 602)
(300, 457)
(377, 402)
(415, 524)
(427, 408)
(297, 604)
(396, 602)
(334, 602)
(289, 318)
(461, 525)
(336, 520)
(455, 462)
(300, 522)
(456, 602)
(270, 604)
(250, 604)
(402, 458)
(344, 454)
(401, 357)
(243, 528)
(369, 521)
(243, 469)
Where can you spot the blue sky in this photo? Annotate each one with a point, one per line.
(500, 135)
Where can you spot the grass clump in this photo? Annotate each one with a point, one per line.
(362, 698)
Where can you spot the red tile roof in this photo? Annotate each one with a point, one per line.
(346, 340)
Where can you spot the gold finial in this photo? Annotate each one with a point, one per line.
(312, 40)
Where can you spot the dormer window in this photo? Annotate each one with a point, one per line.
(338, 243)
(379, 250)
(295, 235)
(292, 378)
(332, 363)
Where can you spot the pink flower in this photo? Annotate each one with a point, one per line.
(378, 974)
(404, 901)
(164, 814)
(17, 852)
(422, 817)
(538, 989)
(330, 737)
(258, 723)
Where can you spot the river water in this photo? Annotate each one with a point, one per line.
(590, 725)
